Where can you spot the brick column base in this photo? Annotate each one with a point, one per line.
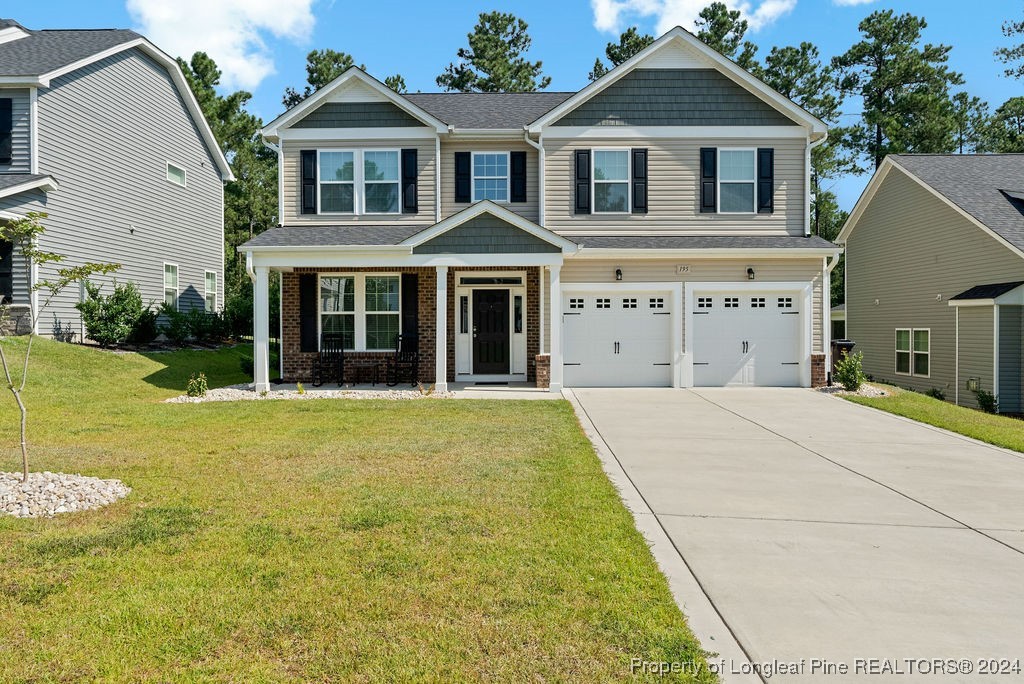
(818, 376)
(543, 370)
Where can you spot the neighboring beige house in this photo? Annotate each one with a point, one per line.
(651, 229)
(935, 275)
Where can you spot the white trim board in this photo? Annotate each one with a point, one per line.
(47, 184)
(686, 132)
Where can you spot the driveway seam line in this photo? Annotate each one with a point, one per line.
(822, 522)
(866, 477)
(576, 401)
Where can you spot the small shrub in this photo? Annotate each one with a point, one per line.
(111, 319)
(850, 371)
(987, 402)
(936, 393)
(145, 329)
(247, 365)
(175, 326)
(299, 388)
(204, 326)
(196, 386)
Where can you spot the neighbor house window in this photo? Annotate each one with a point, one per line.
(380, 181)
(338, 308)
(337, 182)
(364, 309)
(176, 174)
(358, 181)
(913, 351)
(211, 291)
(611, 181)
(736, 181)
(171, 285)
(382, 312)
(490, 176)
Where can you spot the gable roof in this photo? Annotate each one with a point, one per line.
(499, 212)
(988, 291)
(270, 131)
(680, 36)
(984, 188)
(16, 183)
(41, 56)
(488, 110)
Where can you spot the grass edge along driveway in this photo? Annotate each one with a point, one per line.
(328, 540)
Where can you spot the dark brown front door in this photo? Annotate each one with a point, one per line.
(491, 341)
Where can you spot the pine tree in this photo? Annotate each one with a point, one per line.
(631, 41)
(494, 62)
(723, 29)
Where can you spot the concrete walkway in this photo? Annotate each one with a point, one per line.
(824, 530)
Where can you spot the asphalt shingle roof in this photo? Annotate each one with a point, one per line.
(10, 180)
(988, 291)
(977, 184)
(333, 236)
(488, 110)
(701, 242)
(44, 51)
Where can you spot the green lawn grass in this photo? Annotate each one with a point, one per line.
(323, 540)
(999, 430)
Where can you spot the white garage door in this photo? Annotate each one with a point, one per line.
(747, 339)
(617, 339)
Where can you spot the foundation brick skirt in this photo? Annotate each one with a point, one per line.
(818, 376)
(543, 362)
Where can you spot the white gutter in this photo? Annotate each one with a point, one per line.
(539, 146)
(807, 166)
(720, 253)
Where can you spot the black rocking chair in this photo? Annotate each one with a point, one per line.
(406, 360)
(329, 365)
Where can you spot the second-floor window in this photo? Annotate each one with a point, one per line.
(737, 178)
(611, 181)
(176, 174)
(490, 176)
(358, 181)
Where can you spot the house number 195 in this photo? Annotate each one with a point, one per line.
(682, 269)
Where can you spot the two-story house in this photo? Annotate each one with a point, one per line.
(99, 130)
(651, 229)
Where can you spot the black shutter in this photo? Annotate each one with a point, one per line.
(308, 181)
(6, 130)
(410, 304)
(463, 177)
(409, 173)
(708, 180)
(765, 180)
(582, 181)
(639, 180)
(308, 304)
(517, 176)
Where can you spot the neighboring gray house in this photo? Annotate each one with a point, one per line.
(935, 275)
(99, 130)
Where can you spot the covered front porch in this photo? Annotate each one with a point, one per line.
(478, 295)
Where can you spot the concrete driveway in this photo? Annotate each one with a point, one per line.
(820, 529)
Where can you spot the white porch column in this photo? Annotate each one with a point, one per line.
(261, 328)
(441, 325)
(555, 306)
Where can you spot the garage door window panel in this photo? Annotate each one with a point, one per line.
(737, 181)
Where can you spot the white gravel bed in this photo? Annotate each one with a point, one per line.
(246, 393)
(47, 494)
(866, 390)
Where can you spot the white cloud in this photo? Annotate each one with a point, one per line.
(230, 31)
(610, 15)
(851, 3)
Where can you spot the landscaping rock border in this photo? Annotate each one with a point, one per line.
(866, 390)
(46, 494)
(246, 393)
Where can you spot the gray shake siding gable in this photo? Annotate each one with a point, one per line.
(107, 131)
(20, 154)
(357, 115)
(485, 235)
(674, 97)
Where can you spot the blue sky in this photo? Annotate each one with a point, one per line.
(262, 43)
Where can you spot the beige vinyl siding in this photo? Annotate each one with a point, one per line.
(21, 154)
(708, 270)
(673, 192)
(527, 209)
(911, 252)
(1010, 350)
(976, 351)
(425, 182)
(107, 132)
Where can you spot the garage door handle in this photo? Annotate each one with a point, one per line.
(790, 363)
(790, 313)
(572, 364)
(661, 364)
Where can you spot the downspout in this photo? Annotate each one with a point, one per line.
(437, 175)
(279, 151)
(807, 173)
(540, 173)
(956, 359)
(826, 305)
(249, 270)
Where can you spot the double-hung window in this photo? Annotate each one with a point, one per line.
(611, 181)
(171, 285)
(365, 309)
(737, 181)
(913, 351)
(490, 176)
(358, 181)
(211, 291)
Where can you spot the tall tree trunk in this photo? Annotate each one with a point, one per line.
(878, 146)
(24, 432)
